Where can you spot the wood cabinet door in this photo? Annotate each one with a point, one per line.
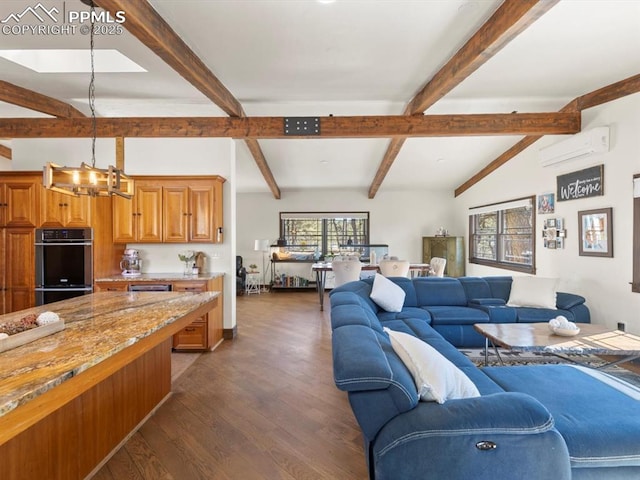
(111, 286)
(176, 214)
(57, 209)
(20, 204)
(202, 214)
(149, 213)
(3, 274)
(19, 268)
(218, 220)
(124, 219)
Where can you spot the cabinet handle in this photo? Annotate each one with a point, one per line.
(185, 214)
(192, 289)
(61, 204)
(189, 329)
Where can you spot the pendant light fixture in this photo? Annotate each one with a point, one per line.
(87, 179)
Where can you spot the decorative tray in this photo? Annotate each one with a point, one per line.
(22, 338)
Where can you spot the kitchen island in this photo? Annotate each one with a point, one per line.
(68, 400)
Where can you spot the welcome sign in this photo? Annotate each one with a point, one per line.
(581, 184)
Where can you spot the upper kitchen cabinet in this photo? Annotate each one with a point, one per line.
(60, 210)
(19, 195)
(139, 219)
(193, 211)
(180, 210)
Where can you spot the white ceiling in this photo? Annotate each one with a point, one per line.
(351, 57)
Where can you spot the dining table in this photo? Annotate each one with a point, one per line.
(322, 268)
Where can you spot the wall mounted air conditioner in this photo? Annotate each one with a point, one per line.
(579, 145)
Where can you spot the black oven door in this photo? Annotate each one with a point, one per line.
(63, 265)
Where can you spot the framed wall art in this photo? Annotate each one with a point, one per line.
(596, 232)
(546, 203)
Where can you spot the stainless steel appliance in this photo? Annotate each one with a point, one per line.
(64, 263)
(131, 264)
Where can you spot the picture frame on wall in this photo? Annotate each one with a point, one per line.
(546, 203)
(596, 232)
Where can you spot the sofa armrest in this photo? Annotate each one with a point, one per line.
(566, 301)
(502, 435)
(486, 301)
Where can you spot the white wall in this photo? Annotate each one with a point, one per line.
(157, 156)
(603, 281)
(397, 218)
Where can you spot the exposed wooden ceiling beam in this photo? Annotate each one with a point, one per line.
(31, 100)
(5, 151)
(509, 20)
(398, 126)
(606, 94)
(154, 32)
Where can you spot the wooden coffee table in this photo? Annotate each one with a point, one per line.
(536, 337)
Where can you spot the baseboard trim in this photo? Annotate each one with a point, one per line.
(230, 333)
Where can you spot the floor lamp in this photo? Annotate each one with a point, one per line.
(262, 246)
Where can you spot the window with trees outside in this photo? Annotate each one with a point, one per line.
(502, 235)
(326, 231)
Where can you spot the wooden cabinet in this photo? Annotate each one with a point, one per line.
(18, 202)
(111, 286)
(450, 248)
(204, 333)
(17, 273)
(171, 210)
(138, 219)
(60, 210)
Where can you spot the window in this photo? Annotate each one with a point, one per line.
(325, 230)
(502, 235)
(635, 284)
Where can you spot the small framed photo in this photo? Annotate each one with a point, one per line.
(596, 232)
(551, 243)
(546, 203)
(550, 223)
(560, 242)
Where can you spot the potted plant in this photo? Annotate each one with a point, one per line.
(253, 268)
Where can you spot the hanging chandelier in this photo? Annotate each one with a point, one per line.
(87, 179)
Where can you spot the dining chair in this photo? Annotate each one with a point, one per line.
(394, 268)
(437, 266)
(346, 271)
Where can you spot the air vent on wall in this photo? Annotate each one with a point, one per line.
(579, 145)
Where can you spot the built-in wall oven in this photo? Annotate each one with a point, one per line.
(64, 263)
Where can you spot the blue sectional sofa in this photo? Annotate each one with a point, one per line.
(452, 305)
(545, 422)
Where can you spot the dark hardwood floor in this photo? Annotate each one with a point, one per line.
(263, 406)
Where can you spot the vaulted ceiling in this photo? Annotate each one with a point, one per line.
(368, 69)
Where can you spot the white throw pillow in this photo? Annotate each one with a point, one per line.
(436, 378)
(533, 292)
(386, 294)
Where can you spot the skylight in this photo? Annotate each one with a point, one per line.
(72, 60)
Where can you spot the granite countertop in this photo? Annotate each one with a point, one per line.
(160, 277)
(97, 326)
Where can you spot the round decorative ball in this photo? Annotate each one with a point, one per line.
(45, 318)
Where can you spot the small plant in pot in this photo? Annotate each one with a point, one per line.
(253, 268)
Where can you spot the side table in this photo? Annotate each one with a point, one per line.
(252, 284)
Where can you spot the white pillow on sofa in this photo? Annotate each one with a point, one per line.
(386, 294)
(436, 378)
(533, 292)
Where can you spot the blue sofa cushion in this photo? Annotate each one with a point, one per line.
(500, 286)
(406, 313)
(345, 314)
(445, 315)
(439, 291)
(600, 425)
(537, 315)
